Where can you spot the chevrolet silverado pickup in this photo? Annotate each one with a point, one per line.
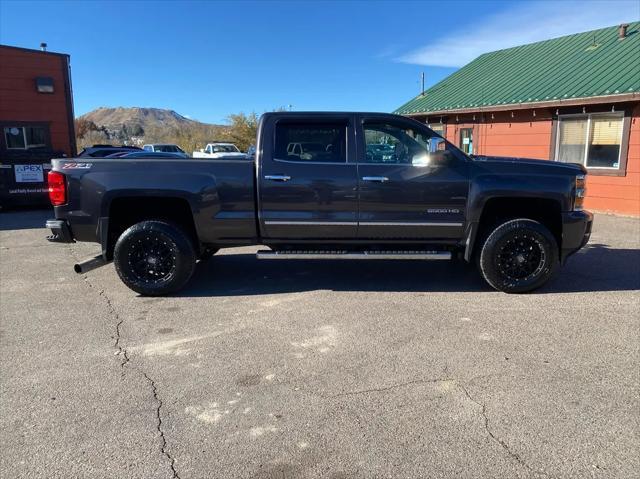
(345, 186)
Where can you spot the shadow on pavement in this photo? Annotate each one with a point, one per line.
(25, 218)
(595, 268)
(598, 267)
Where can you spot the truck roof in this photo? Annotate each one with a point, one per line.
(332, 114)
(329, 113)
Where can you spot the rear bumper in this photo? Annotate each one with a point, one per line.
(60, 231)
(576, 231)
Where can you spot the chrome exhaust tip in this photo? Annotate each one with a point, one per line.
(89, 264)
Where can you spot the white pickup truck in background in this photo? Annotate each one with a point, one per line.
(219, 150)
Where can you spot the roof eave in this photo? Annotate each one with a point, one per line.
(619, 98)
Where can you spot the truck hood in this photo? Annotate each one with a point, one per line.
(572, 168)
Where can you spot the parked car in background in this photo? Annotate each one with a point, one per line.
(217, 149)
(102, 151)
(519, 220)
(308, 150)
(165, 148)
(380, 153)
(147, 154)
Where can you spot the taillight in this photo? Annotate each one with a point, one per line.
(57, 188)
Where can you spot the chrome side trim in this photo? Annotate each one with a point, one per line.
(312, 223)
(391, 223)
(277, 177)
(361, 223)
(375, 179)
(385, 255)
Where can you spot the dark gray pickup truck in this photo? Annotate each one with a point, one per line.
(325, 186)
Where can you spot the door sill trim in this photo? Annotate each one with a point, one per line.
(362, 223)
(311, 223)
(359, 255)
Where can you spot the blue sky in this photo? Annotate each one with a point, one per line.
(208, 59)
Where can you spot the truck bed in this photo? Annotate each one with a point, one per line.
(219, 193)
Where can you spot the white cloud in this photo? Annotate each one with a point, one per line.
(521, 24)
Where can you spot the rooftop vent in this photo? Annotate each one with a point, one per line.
(43, 46)
(622, 30)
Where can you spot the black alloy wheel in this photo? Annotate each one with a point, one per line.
(518, 256)
(154, 258)
(521, 257)
(151, 259)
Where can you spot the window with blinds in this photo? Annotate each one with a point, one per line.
(592, 140)
(572, 139)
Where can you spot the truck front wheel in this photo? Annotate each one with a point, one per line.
(154, 258)
(518, 256)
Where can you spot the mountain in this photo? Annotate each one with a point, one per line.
(115, 118)
(137, 125)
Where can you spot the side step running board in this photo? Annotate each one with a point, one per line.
(321, 254)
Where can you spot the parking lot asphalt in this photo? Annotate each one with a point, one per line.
(318, 369)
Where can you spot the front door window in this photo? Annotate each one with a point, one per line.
(394, 144)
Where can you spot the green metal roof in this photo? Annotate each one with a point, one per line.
(583, 65)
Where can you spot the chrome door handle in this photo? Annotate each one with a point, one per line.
(277, 177)
(375, 179)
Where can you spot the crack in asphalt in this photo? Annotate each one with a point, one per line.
(483, 411)
(165, 452)
(391, 387)
(494, 437)
(123, 353)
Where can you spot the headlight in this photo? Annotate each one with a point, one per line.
(580, 192)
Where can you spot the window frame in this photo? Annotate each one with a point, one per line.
(342, 122)
(621, 169)
(24, 137)
(384, 121)
(457, 154)
(471, 139)
(22, 125)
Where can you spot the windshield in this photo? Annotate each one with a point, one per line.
(168, 148)
(225, 149)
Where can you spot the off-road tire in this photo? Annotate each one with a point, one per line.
(154, 258)
(519, 256)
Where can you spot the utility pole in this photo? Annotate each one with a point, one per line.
(422, 91)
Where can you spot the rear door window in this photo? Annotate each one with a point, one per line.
(311, 142)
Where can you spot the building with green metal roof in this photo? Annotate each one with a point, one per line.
(566, 70)
(575, 98)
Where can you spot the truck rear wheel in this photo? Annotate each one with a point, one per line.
(518, 256)
(154, 258)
